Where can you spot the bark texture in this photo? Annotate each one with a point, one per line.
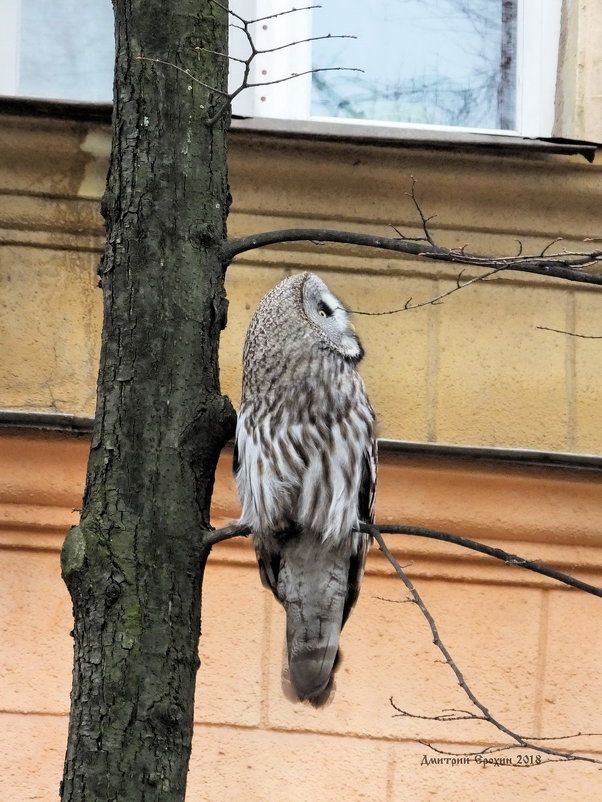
(134, 564)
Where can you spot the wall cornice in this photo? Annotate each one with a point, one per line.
(550, 514)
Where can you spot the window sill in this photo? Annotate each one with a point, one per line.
(392, 136)
(414, 137)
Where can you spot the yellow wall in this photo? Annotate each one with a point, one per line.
(474, 370)
(578, 96)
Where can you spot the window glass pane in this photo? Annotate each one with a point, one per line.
(443, 62)
(66, 49)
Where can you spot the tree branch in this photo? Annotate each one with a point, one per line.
(376, 531)
(245, 26)
(213, 536)
(236, 530)
(518, 739)
(490, 551)
(438, 299)
(567, 266)
(571, 333)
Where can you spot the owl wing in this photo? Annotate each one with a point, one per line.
(367, 494)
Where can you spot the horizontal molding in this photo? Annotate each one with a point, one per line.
(44, 421)
(27, 420)
(545, 513)
(64, 157)
(394, 136)
(70, 221)
(398, 136)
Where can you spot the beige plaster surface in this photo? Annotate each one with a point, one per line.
(528, 647)
(474, 370)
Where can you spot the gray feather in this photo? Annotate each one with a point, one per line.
(306, 469)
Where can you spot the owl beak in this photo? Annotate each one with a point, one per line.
(352, 327)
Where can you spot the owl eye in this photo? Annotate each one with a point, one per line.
(323, 310)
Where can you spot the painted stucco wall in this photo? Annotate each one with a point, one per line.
(474, 370)
(529, 648)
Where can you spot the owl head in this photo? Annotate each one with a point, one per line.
(329, 316)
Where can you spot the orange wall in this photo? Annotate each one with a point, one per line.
(531, 649)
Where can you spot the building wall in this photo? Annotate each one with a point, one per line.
(529, 648)
(475, 370)
(578, 97)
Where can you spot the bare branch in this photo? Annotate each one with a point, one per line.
(571, 333)
(490, 551)
(245, 26)
(217, 53)
(311, 39)
(270, 16)
(403, 236)
(485, 713)
(549, 245)
(438, 298)
(214, 536)
(453, 714)
(236, 530)
(253, 85)
(425, 220)
(567, 266)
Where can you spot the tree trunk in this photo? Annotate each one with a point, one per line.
(134, 564)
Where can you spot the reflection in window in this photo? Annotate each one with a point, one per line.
(443, 62)
(66, 50)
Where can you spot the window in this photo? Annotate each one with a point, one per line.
(469, 64)
(61, 49)
(464, 64)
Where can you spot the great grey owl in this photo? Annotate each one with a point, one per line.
(305, 465)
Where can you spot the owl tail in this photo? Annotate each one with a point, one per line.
(309, 675)
(313, 589)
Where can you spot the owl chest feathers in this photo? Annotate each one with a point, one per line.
(302, 448)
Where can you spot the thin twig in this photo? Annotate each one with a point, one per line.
(255, 84)
(304, 41)
(549, 245)
(490, 551)
(245, 26)
(438, 299)
(186, 72)
(486, 715)
(571, 333)
(425, 220)
(263, 19)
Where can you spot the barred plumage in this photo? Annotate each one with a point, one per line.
(305, 464)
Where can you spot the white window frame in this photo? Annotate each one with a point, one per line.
(537, 42)
(10, 36)
(538, 36)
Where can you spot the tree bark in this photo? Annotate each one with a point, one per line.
(134, 564)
